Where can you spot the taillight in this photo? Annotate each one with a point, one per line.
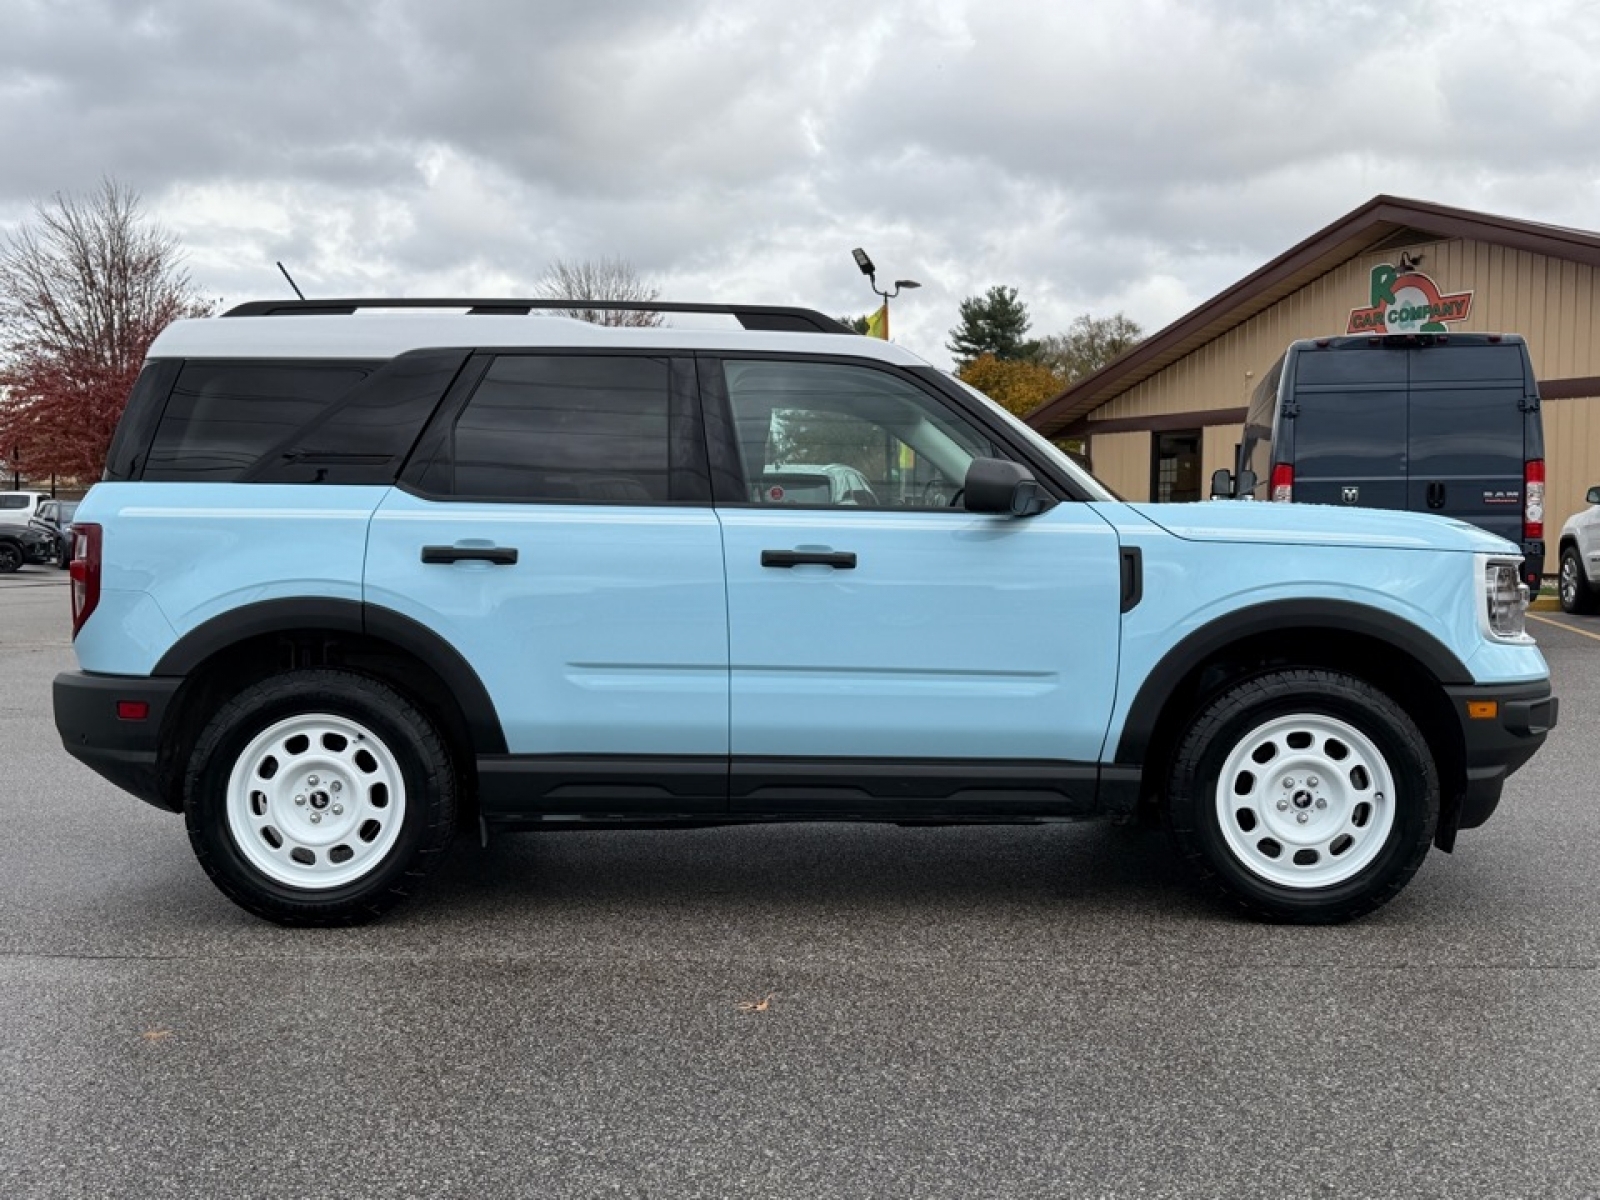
(1283, 483)
(1533, 499)
(85, 573)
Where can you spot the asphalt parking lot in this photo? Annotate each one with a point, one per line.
(793, 1011)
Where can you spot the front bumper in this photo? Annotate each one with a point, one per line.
(122, 750)
(1496, 745)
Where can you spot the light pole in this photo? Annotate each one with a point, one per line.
(871, 273)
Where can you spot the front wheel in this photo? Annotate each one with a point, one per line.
(1304, 795)
(10, 557)
(1576, 594)
(319, 797)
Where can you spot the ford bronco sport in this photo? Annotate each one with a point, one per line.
(360, 572)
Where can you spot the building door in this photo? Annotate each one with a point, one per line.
(1175, 466)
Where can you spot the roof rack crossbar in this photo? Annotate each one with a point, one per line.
(770, 318)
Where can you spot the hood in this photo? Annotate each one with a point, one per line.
(1320, 525)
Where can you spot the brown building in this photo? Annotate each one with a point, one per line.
(1161, 418)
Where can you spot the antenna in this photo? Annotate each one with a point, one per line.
(292, 283)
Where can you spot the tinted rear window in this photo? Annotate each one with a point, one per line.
(223, 416)
(562, 429)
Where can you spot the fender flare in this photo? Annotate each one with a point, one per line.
(346, 616)
(1401, 636)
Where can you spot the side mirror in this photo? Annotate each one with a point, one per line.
(1225, 487)
(997, 485)
(1593, 497)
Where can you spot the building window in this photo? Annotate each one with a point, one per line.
(1175, 466)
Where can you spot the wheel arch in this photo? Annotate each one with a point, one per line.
(228, 652)
(1403, 661)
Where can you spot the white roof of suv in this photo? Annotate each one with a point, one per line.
(301, 331)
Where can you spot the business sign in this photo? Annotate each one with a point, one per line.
(1407, 301)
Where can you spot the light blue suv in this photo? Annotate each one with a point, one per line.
(357, 578)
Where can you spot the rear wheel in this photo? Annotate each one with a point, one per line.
(319, 797)
(1576, 594)
(1304, 795)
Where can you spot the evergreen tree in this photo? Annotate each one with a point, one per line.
(994, 323)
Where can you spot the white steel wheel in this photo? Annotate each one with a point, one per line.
(1305, 801)
(319, 797)
(1303, 794)
(316, 801)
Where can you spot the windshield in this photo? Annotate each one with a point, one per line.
(1092, 486)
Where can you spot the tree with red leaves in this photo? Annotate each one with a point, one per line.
(84, 289)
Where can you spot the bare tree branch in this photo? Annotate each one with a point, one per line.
(603, 279)
(84, 289)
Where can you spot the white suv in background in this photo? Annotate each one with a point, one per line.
(18, 508)
(1580, 558)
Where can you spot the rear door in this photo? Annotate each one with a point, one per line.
(1348, 425)
(554, 526)
(1465, 447)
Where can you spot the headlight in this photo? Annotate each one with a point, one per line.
(1505, 598)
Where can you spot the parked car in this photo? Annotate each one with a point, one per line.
(1441, 423)
(805, 483)
(54, 517)
(18, 508)
(23, 544)
(1579, 586)
(352, 579)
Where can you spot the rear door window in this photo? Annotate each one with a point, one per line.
(561, 429)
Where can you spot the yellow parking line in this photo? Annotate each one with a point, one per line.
(1559, 625)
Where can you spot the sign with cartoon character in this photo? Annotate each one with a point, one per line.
(1404, 300)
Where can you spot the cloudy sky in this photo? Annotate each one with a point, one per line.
(1098, 155)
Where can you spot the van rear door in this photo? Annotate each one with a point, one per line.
(1349, 426)
(1466, 445)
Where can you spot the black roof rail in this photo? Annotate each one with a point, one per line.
(765, 317)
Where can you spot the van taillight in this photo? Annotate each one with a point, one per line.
(1283, 483)
(85, 573)
(1533, 499)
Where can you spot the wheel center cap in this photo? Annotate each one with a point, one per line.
(319, 800)
(1301, 799)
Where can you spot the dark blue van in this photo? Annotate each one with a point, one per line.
(1438, 423)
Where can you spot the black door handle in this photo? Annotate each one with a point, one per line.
(845, 560)
(500, 556)
(1436, 494)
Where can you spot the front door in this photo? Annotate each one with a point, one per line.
(888, 649)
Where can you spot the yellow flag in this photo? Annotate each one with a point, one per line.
(878, 323)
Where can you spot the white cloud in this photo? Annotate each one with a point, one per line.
(1138, 156)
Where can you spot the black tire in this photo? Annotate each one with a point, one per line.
(64, 554)
(10, 557)
(349, 749)
(1577, 596)
(1332, 796)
